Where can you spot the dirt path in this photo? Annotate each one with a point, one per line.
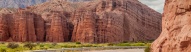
(119, 50)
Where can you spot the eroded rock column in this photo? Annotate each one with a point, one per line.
(39, 28)
(4, 33)
(57, 30)
(84, 27)
(23, 26)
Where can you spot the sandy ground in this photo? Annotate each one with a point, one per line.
(119, 50)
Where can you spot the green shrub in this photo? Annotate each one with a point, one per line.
(45, 48)
(54, 44)
(110, 44)
(138, 44)
(139, 41)
(41, 45)
(64, 46)
(2, 43)
(3, 50)
(87, 45)
(147, 49)
(123, 44)
(68, 46)
(38, 43)
(30, 45)
(78, 43)
(12, 45)
(51, 46)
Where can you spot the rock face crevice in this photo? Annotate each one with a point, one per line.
(39, 28)
(85, 28)
(4, 33)
(99, 21)
(175, 36)
(24, 28)
(58, 28)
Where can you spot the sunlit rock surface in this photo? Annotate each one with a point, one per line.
(99, 21)
(175, 36)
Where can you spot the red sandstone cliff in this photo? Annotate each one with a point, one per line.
(115, 21)
(99, 21)
(57, 28)
(4, 34)
(175, 36)
(24, 29)
(39, 28)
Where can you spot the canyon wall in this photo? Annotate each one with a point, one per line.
(176, 26)
(100, 21)
(57, 28)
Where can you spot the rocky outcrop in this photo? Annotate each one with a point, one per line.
(24, 26)
(21, 26)
(4, 33)
(175, 36)
(98, 21)
(115, 21)
(98, 28)
(56, 27)
(5, 11)
(84, 26)
(27, 26)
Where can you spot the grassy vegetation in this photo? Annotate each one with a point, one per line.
(13, 47)
(147, 49)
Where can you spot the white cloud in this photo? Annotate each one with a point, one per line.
(157, 5)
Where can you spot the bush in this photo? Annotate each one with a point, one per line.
(147, 49)
(110, 44)
(51, 47)
(138, 44)
(2, 43)
(54, 44)
(87, 45)
(78, 43)
(30, 45)
(3, 50)
(12, 45)
(38, 43)
(123, 44)
(41, 45)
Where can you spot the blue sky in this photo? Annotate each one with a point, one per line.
(154, 4)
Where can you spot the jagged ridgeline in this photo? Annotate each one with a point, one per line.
(19, 3)
(99, 21)
(25, 3)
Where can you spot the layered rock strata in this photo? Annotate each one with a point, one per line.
(100, 21)
(115, 21)
(56, 27)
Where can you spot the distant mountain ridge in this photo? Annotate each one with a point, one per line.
(25, 3)
(19, 3)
